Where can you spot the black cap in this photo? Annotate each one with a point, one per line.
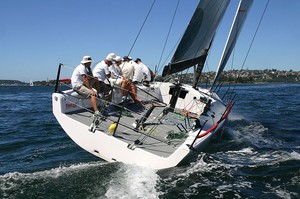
(138, 59)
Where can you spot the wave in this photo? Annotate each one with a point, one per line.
(230, 174)
(233, 116)
(133, 182)
(44, 183)
(254, 134)
(52, 173)
(83, 180)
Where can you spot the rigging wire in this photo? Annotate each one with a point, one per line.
(161, 67)
(137, 36)
(252, 41)
(142, 27)
(206, 68)
(255, 34)
(167, 38)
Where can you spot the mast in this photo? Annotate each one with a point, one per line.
(240, 17)
(194, 44)
(198, 69)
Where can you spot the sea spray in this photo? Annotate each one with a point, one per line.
(131, 182)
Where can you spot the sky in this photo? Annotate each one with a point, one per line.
(37, 35)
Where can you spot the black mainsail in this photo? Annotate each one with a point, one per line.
(197, 38)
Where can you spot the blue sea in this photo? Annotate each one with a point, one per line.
(258, 155)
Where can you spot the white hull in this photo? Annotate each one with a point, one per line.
(111, 148)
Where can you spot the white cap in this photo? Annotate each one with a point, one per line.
(118, 58)
(110, 56)
(86, 59)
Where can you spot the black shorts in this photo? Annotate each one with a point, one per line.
(105, 88)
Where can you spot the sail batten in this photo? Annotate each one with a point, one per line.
(198, 36)
(239, 19)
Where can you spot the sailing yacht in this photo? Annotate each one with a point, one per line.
(174, 120)
(31, 83)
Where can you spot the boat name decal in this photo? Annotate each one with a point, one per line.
(70, 105)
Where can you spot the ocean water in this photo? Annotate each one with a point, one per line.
(258, 155)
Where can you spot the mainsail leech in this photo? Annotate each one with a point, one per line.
(198, 36)
(240, 17)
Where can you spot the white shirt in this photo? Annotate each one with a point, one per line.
(146, 71)
(115, 71)
(100, 71)
(76, 78)
(127, 70)
(138, 73)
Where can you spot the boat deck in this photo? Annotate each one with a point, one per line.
(160, 135)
